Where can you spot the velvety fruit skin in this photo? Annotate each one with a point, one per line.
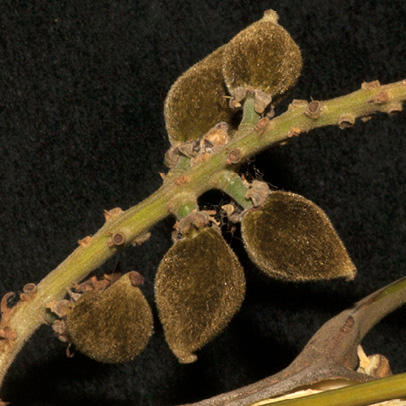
(263, 57)
(195, 102)
(199, 287)
(291, 238)
(111, 326)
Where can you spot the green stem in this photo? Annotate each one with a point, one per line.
(362, 394)
(361, 103)
(232, 184)
(249, 116)
(27, 316)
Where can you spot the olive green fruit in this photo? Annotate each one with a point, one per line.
(113, 325)
(291, 238)
(199, 287)
(263, 57)
(196, 102)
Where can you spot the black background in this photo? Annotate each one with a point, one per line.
(82, 86)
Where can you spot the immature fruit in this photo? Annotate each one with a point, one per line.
(196, 102)
(263, 57)
(199, 287)
(291, 238)
(113, 325)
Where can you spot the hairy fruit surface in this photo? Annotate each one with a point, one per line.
(291, 238)
(113, 325)
(199, 287)
(196, 102)
(262, 57)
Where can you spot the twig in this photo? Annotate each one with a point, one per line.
(127, 226)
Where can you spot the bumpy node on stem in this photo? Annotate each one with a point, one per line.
(113, 325)
(199, 287)
(291, 238)
(196, 101)
(183, 204)
(263, 57)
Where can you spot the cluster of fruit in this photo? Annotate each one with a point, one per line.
(200, 284)
(263, 59)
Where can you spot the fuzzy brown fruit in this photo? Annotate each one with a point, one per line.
(196, 102)
(262, 57)
(199, 287)
(291, 238)
(113, 325)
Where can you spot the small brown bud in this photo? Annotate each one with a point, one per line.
(381, 98)
(59, 307)
(171, 157)
(234, 157)
(142, 238)
(370, 85)
(112, 214)
(117, 238)
(218, 135)
(193, 222)
(392, 108)
(294, 132)
(346, 121)
(136, 278)
(5, 309)
(30, 288)
(238, 96)
(59, 327)
(298, 104)
(29, 291)
(262, 125)
(229, 209)
(181, 180)
(189, 148)
(261, 101)
(314, 110)
(8, 334)
(85, 241)
(258, 192)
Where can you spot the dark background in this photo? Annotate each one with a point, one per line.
(82, 86)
